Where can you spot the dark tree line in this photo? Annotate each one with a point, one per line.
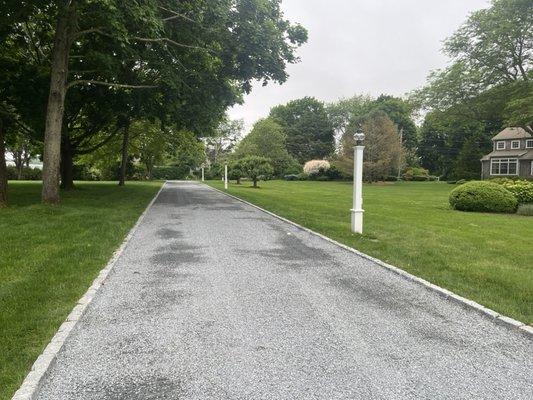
(94, 67)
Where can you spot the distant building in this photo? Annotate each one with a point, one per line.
(512, 155)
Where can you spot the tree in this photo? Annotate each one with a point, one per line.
(492, 53)
(149, 143)
(186, 151)
(486, 87)
(198, 56)
(223, 139)
(383, 150)
(3, 168)
(344, 111)
(400, 111)
(351, 112)
(444, 136)
(255, 168)
(267, 139)
(309, 131)
(235, 170)
(467, 165)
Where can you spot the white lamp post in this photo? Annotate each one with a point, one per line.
(357, 210)
(226, 176)
(203, 176)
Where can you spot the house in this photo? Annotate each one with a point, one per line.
(512, 155)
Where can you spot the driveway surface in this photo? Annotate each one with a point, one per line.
(214, 299)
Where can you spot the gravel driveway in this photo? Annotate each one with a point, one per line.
(214, 299)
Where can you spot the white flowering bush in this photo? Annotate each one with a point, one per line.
(314, 167)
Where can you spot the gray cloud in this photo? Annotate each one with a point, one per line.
(361, 47)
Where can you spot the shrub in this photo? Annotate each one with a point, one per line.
(461, 181)
(522, 189)
(483, 196)
(334, 174)
(28, 174)
(315, 167)
(418, 172)
(292, 177)
(170, 172)
(525, 209)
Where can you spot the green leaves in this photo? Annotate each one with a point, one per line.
(308, 128)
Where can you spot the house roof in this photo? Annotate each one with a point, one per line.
(512, 133)
(521, 154)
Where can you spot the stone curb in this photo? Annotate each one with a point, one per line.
(508, 322)
(32, 382)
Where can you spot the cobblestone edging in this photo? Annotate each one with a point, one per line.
(487, 312)
(31, 383)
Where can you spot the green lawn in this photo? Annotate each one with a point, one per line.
(49, 257)
(484, 257)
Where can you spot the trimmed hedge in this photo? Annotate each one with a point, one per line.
(483, 196)
(170, 172)
(28, 174)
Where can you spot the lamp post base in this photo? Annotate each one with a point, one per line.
(357, 220)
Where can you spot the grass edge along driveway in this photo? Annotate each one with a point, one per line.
(49, 256)
(484, 257)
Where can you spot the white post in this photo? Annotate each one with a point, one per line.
(226, 176)
(203, 177)
(357, 210)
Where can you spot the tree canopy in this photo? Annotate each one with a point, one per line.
(309, 131)
(191, 60)
(267, 139)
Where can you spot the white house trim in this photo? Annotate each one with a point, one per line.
(498, 162)
(515, 144)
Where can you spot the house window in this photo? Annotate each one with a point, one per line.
(529, 144)
(504, 166)
(500, 145)
(515, 144)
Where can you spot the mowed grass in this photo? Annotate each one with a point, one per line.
(49, 257)
(484, 257)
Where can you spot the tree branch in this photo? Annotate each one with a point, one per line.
(170, 41)
(176, 15)
(90, 30)
(109, 84)
(98, 145)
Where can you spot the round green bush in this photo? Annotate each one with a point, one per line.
(484, 197)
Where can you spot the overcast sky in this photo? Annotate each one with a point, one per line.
(361, 47)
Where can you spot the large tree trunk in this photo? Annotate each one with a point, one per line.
(124, 162)
(3, 168)
(56, 103)
(67, 164)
